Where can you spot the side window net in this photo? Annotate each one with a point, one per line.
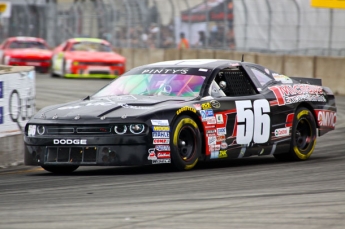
(237, 83)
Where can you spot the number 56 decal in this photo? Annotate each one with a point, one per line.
(253, 122)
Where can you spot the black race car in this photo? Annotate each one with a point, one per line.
(181, 112)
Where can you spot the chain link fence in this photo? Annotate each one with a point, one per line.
(284, 26)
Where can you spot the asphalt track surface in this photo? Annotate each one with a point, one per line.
(256, 192)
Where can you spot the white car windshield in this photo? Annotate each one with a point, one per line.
(154, 84)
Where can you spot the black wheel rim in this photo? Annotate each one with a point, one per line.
(186, 143)
(303, 135)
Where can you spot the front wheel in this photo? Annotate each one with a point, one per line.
(60, 169)
(186, 143)
(303, 137)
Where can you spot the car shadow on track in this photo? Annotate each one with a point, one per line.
(167, 168)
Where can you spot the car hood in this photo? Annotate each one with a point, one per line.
(110, 107)
(94, 56)
(16, 53)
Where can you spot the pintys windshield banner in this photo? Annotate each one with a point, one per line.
(17, 101)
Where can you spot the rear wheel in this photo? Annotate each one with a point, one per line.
(303, 137)
(60, 169)
(186, 143)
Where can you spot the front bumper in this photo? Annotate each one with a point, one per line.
(87, 150)
(109, 155)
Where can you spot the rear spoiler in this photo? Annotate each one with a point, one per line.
(312, 81)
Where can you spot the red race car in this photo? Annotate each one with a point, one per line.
(87, 58)
(26, 51)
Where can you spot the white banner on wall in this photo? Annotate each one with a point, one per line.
(17, 101)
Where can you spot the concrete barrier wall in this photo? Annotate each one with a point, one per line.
(206, 54)
(332, 72)
(11, 150)
(189, 54)
(141, 57)
(273, 62)
(299, 66)
(128, 53)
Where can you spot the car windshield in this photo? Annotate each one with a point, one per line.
(154, 84)
(90, 47)
(27, 44)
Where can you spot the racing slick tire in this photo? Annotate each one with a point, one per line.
(52, 74)
(303, 137)
(60, 169)
(185, 143)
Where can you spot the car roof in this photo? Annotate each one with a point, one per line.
(196, 63)
(84, 39)
(23, 38)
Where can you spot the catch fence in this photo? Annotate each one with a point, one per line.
(284, 26)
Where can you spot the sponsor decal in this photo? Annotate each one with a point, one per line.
(223, 145)
(157, 122)
(214, 154)
(211, 120)
(164, 71)
(161, 161)
(197, 106)
(219, 118)
(210, 131)
(223, 154)
(282, 132)
(161, 141)
(70, 141)
(210, 127)
(163, 155)
(206, 113)
(160, 134)
(215, 104)
(206, 106)
(1, 90)
(288, 94)
(1, 115)
(221, 131)
(282, 78)
(326, 118)
(152, 154)
(20, 107)
(212, 140)
(162, 147)
(161, 128)
(214, 148)
(203, 69)
(185, 109)
(221, 138)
